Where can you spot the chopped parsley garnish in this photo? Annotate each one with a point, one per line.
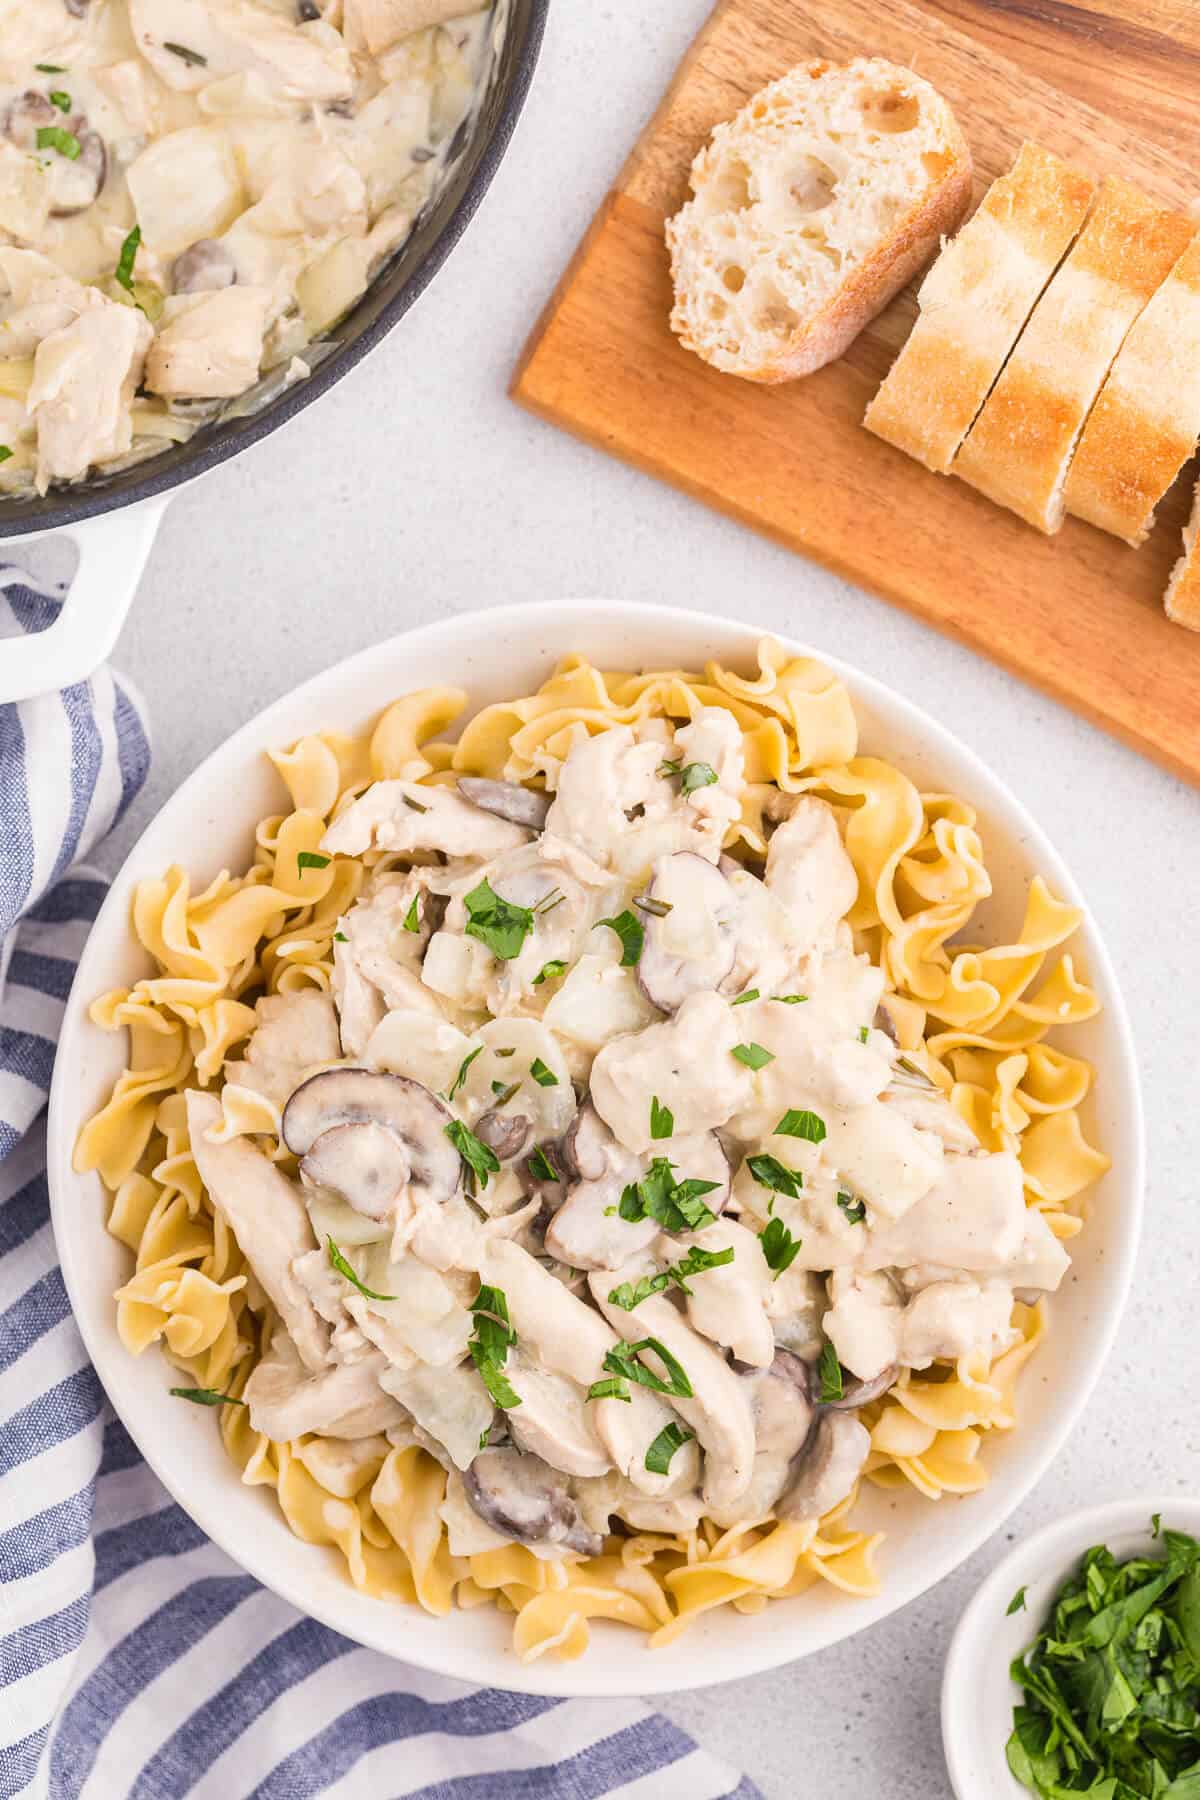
(463, 1066)
(480, 1161)
(205, 1397)
(753, 1055)
(671, 1438)
(339, 937)
(611, 1389)
(864, 1032)
(622, 1361)
(854, 1209)
(57, 137)
(779, 1246)
(56, 69)
(669, 768)
(490, 1343)
(5, 453)
(1111, 1683)
(750, 994)
(412, 918)
(675, 1205)
(508, 1050)
(696, 775)
(541, 1168)
(59, 99)
(632, 937)
(697, 1260)
(496, 922)
(801, 1124)
(789, 999)
(309, 859)
(504, 1092)
(1155, 1524)
(549, 972)
(541, 1074)
(662, 1119)
(829, 1369)
(1016, 1604)
(413, 805)
(769, 1172)
(188, 56)
(343, 1268)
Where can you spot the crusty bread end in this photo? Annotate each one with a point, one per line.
(1182, 598)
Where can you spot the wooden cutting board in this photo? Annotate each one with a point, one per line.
(1112, 87)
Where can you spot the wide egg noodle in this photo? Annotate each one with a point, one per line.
(975, 1018)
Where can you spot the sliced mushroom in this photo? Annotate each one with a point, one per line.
(524, 1498)
(506, 1134)
(78, 9)
(507, 800)
(588, 1231)
(25, 116)
(365, 1163)
(691, 946)
(203, 268)
(75, 183)
(587, 1145)
(400, 1108)
(783, 1415)
(827, 1467)
(553, 1420)
(861, 1393)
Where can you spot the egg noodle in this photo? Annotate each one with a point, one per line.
(975, 1019)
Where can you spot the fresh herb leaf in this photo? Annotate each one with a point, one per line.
(671, 1438)
(508, 1050)
(675, 1205)
(59, 99)
(753, 1055)
(662, 1120)
(612, 1388)
(496, 922)
(769, 1172)
(541, 1074)
(504, 1091)
(630, 1294)
(57, 137)
(344, 1269)
(801, 1124)
(549, 972)
(5, 453)
(541, 1167)
(463, 1066)
(490, 1342)
(309, 859)
(412, 918)
(480, 1161)
(483, 1438)
(339, 937)
(855, 1210)
(1155, 1524)
(50, 69)
(188, 56)
(669, 768)
(622, 1360)
(696, 775)
(205, 1397)
(632, 937)
(779, 1246)
(1016, 1604)
(789, 999)
(829, 1369)
(697, 1260)
(742, 999)
(864, 1033)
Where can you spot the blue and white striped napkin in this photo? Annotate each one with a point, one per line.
(136, 1661)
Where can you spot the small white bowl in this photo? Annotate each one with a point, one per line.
(978, 1693)
(209, 825)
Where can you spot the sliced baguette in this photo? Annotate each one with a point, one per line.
(1019, 450)
(974, 302)
(810, 210)
(1182, 598)
(1144, 426)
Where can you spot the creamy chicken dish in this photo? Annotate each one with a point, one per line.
(605, 1170)
(192, 192)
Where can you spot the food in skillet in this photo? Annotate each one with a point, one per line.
(192, 192)
(573, 1158)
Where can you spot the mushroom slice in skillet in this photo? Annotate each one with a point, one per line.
(507, 800)
(203, 268)
(522, 1497)
(355, 1130)
(690, 924)
(827, 1467)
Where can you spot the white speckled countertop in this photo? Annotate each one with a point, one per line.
(416, 489)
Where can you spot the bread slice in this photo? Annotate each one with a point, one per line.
(1144, 426)
(974, 302)
(810, 209)
(1019, 449)
(1182, 598)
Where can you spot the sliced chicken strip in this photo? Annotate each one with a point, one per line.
(268, 1218)
(295, 1034)
(84, 378)
(226, 37)
(728, 1304)
(401, 815)
(809, 871)
(971, 1217)
(209, 346)
(687, 1063)
(451, 1405)
(345, 1400)
(375, 25)
(553, 1420)
(719, 1411)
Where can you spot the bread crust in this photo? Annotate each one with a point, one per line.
(1181, 602)
(975, 302)
(1019, 450)
(1145, 424)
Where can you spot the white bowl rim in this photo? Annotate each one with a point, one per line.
(1050, 1552)
(650, 1675)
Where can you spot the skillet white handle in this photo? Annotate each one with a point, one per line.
(113, 549)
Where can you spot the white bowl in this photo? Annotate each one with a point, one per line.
(978, 1693)
(208, 825)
